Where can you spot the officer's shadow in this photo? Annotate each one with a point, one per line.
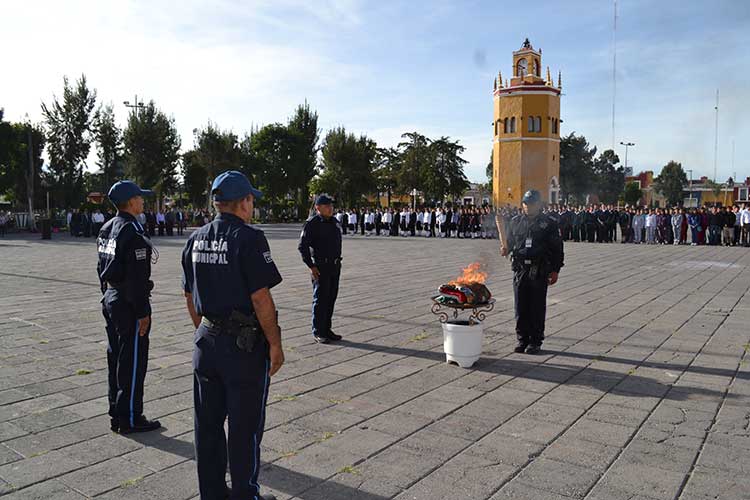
(278, 478)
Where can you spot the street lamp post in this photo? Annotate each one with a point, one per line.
(135, 106)
(627, 145)
(690, 196)
(30, 180)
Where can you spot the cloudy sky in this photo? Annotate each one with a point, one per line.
(386, 67)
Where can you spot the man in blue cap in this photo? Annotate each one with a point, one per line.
(320, 248)
(536, 250)
(228, 272)
(124, 269)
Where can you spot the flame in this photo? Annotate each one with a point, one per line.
(472, 274)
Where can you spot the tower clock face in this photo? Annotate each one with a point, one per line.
(523, 67)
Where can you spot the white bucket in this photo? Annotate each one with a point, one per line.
(462, 342)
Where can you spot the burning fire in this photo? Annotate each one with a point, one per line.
(472, 274)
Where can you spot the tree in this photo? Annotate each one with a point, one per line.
(416, 158)
(608, 178)
(271, 151)
(445, 176)
(490, 173)
(152, 147)
(388, 161)
(576, 166)
(303, 126)
(195, 178)
(348, 166)
(216, 151)
(109, 143)
(70, 125)
(14, 161)
(632, 194)
(671, 182)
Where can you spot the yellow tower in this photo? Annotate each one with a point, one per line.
(526, 151)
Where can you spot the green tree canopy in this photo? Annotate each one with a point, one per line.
(388, 161)
(416, 158)
(14, 161)
(270, 155)
(632, 194)
(216, 151)
(195, 178)
(576, 166)
(303, 126)
(109, 143)
(70, 132)
(671, 182)
(348, 166)
(609, 178)
(445, 175)
(152, 147)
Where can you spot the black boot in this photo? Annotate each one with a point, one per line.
(520, 347)
(140, 424)
(334, 337)
(533, 349)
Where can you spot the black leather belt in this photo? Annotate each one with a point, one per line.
(326, 260)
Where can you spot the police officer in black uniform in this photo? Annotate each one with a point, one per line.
(228, 272)
(322, 234)
(124, 270)
(537, 255)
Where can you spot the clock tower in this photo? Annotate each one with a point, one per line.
(526, 150)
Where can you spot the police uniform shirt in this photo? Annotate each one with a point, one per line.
(323, 237)
(536, 240)
(125, 261)
(224, 263)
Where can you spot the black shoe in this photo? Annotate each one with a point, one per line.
(520, 348)
(533, 349)
(320, 339)
(114, 424)
(334, 337)
(141, 424)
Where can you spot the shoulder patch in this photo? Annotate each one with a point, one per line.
(267, 256)
(141, 254)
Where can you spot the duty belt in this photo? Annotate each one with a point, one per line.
(327, 260)
(223, 324)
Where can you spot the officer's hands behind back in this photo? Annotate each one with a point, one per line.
(143, 325)
(315, 273)
(276, 354)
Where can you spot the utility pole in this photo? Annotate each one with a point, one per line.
(30, 179)
(627, 145)
(716, 138)
(691, 187)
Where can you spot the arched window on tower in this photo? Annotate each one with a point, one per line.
(530, 126)
(536, 67)
(554, 126)
(505, 126)
(513, 125)
(538, 124)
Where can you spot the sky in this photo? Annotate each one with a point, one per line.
(382, 68)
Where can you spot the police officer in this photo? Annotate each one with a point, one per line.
(322, 234)
(537, 255)
(124, 270)
(228, 272)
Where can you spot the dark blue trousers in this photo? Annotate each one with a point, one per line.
(127, 357)
(325, 291)
(530, 306)
(228, 382)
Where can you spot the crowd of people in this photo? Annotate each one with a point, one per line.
(87, 223)
(729, 226)
(428, 222)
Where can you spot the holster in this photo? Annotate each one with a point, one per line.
(246, 328)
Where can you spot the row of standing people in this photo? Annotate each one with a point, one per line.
(429, 222)
(729, 226)
(85, 223)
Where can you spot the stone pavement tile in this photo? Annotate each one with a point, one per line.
(52, 489)
(396, 423)
(463, 426)
(600, 432)
(497, 447)
(727, 453)
(684, 421)
(7, 455)
(515, 490)
(711, 484)
(662, 455)
(34, 444)
(630, 401)
(9, 430)
(105, 476)
(530, 429)
(164, 454)
(9, 396)
(733, 420)
(37, 469)
(398, 466)
(558, 477)
(608, 492)
(290, 438)
(39, 422)
(463, 476)
(572, 396)
(595, 456)
(329, 420)
(100, 448)
(642, 479)
(176, 483)
(550, 412)
(628, 417)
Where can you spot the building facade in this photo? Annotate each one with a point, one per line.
(526, 152)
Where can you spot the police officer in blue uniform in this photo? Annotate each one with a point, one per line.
(124, 270)
(320, 247)
(536, 251)
(228, 272)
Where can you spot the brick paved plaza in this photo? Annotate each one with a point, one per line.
(641, 393)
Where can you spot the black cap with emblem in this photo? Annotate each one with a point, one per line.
(531, 196)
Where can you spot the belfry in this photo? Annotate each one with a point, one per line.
(526, 150)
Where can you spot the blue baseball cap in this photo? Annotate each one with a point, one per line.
(122, 191)
(324, 199)
(233, 185)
